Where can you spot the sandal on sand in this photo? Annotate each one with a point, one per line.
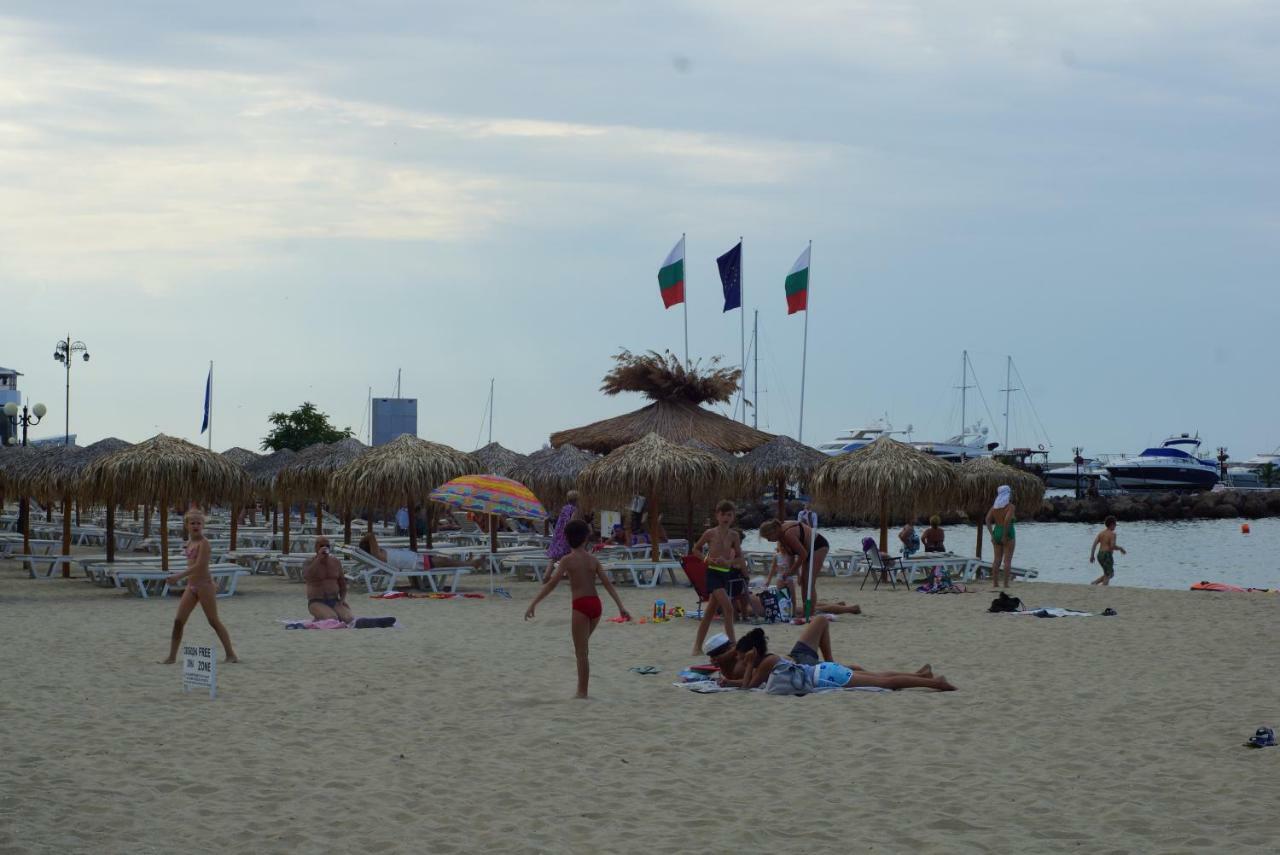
(646, 669)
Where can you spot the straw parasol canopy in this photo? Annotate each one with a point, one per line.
(404, 470)
(496, 460)
(979, 480)
(263, 471)
(164, 469)
(652, 467)
(776, 463)
(884, 477)
(307, 476)
(677, 412)
(241, 456)
(552, 472)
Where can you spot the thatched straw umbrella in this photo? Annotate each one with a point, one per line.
(406, 469)
(652, 467)
(496, 460)
(53, 473)
(676, 413)
(308, 476)
(979, 479)
(92, 452)
(552, 472)
(884, 477)
(775, 464)
(162, 469)
(262, 483)
(13, 461)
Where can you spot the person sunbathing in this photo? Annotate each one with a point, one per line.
(200, 589)
(407, 559)
(326, 585)
(749, 664)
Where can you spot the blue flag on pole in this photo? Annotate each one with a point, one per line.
(730, 265)
(208, 399)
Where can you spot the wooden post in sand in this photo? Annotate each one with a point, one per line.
(431, 523)
(319, 518)
(275, 519)
(164, 534)
(346, 527)
(66, 535)
(235, 520)
(654, 546)
(284, 531)
(413, 534)
(146, 520)
(111, 530)
(884, 526)
(977, 547)
(780, 495)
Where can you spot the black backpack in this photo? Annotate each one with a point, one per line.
(1005, 603)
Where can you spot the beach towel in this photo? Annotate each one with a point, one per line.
(1052, 611)
(358, 623)
(711, 687)
(434, 595)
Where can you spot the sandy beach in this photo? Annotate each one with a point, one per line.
(457, 733)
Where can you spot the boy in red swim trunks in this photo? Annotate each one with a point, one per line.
(582, 569)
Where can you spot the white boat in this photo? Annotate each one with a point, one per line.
(1173, 465)
(972, 442)
(855, 438)
(1263, 459)
(1067, 477)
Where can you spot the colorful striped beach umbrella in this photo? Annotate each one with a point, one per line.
(490, 494)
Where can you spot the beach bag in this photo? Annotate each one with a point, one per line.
(790, 678)
(1005, 603)
(769, 604)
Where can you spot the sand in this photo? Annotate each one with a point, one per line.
(457, 733)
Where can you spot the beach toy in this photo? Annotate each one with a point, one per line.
(659, 610)
(1262, 738)
(1244, 528)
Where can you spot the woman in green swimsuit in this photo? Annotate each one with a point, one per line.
(1000, 520)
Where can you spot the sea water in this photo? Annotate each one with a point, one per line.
(1162, 554)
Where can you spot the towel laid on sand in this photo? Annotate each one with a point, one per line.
(711, 687)
(1052, 612)
(358, 623)
(434, 595)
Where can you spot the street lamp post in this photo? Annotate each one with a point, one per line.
(26, 418)
(63, 352)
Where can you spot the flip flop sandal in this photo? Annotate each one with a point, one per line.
(645, 669)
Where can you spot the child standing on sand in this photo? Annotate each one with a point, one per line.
(1105, 547)
(725, 563)
(582, 569)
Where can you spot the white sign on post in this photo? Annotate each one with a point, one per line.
(199, 669)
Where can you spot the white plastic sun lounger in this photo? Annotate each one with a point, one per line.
(370, 569)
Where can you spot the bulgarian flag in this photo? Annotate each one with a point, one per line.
(798, 284)
(671, 276)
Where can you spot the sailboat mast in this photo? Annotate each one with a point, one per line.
(491, 410)
(755, 395)
(964, 388)
(1008, 390)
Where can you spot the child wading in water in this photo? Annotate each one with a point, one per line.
(582, 570)
(1105, 547)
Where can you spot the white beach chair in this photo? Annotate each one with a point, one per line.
(370, 569)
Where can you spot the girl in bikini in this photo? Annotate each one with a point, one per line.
(200, 589)
(1000, 520)
(793, 538)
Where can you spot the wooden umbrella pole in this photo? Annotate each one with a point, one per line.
(164, 534)
(781, 497)
(66, 535)
(431, 523)
(135, 513)
(493, 533)
(24, 511)
(275, 519)
(111, 530)
(235, 524)
(977, 547)
(284, 530)
(884, 525)
(77, 506)
(346, 527)
(413, 534)
(319, 519)
(654, 546)
(146, 520)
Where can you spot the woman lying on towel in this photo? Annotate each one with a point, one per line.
(407, 559)
(749, 664)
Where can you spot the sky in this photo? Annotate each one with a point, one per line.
(316, 195)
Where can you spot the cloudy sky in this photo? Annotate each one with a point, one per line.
(314, 195)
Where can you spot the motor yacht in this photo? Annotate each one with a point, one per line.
(970, 443)
(853, 439)
(1174, 465)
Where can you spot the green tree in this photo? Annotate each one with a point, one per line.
(1268, 474)
(304, 426)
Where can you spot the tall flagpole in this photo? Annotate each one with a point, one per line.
(742, 328)
(804, 358)
(685, 248)
(211, 405)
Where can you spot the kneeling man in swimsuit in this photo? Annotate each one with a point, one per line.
(326, 586)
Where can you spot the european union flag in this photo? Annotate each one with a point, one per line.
(731, 277)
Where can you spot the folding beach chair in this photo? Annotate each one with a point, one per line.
(881, 566)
